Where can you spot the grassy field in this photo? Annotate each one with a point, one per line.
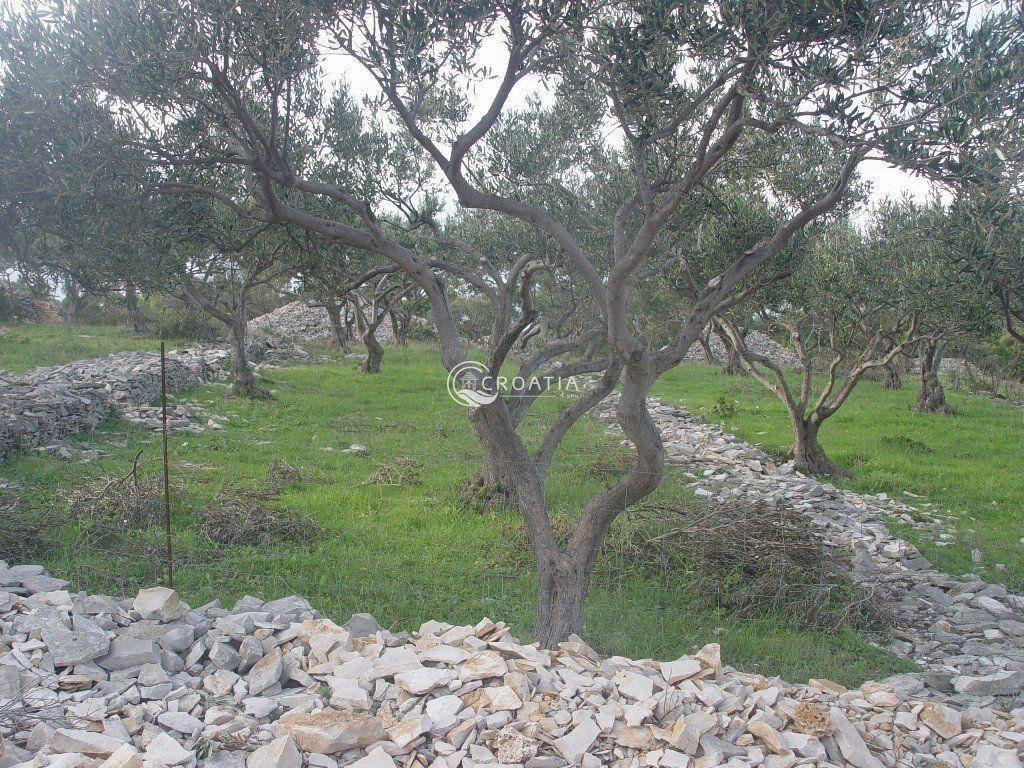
(970, 463)
(30, 345)
(404, 552)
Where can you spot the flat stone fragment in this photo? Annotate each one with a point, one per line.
(578, 741)
(850, 742)
(84, 742)
(634, 686)
(996, 684)
(159, 603)
(377, 758)
(166, 751)
(442, 712)
(10, 681)
(182, 722)
(680, 669)
(423, 680)
(406, 731)
(125, 756)
(331, 730)
(126, 652)
(72, 647)
(280, 753)
(481, 666)
(347, 693)
(265, 673)
(945, 721)
(444, 654)
(991, 756)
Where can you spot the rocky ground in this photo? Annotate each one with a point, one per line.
(90, 680)
(967, 633)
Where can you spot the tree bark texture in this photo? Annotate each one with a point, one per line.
(931, 398)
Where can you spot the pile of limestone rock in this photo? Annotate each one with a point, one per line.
(181, 417)
(757, 342)
(48, 405)
(296, 321)
(302, 323)
(90, 680)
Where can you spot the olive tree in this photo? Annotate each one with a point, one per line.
(985, 232)
(850, 306)
(68, 222)
(942, 294)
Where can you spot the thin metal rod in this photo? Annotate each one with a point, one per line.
(167, 466)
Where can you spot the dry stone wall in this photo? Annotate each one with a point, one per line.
(757, 342)
(48, 405)
(968, 634)
(45, 406)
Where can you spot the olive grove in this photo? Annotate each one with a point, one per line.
(228, 105)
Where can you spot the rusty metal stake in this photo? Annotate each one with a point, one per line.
(167, 466)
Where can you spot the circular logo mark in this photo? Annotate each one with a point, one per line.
(465, 385)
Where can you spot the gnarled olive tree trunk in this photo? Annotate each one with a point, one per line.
(131, 309)
(564, 571)
(74, 302)
(243, 380)
(809, 456)
(931, 398)
(891, 377)
(374, 352)
(339, 332)
(731, 366)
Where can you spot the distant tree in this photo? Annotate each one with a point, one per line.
(847, 305)
(216, 260)
(938, 290)
(985, 231)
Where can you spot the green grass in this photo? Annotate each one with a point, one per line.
(971, 463)
(36, 344)
(412, 553)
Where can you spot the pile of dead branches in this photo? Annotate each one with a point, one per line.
(250, 516)
(399, 471)
(108, 508)
(750, 559)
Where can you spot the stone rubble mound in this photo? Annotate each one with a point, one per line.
(181, 417)
(966, 632)
(43, 407)
(47, 405)
(953, 366)
(758, 343)
(91, 681)
(296, 321)
(302, 323)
